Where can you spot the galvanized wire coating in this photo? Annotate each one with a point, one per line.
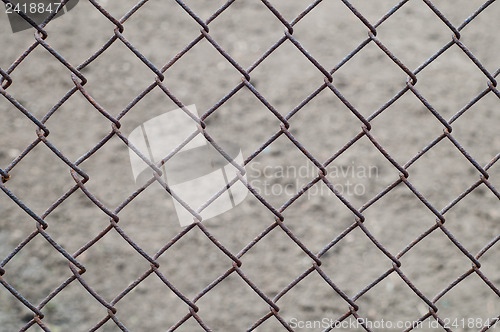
(283, 130)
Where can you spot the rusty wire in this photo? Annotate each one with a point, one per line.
(80, 177)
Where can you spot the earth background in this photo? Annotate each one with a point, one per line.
(159, 30)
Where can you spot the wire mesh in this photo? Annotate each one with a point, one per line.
(279, 222)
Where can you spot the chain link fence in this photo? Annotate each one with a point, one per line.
(187, 312)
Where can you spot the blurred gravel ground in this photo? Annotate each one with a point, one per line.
(246, 30)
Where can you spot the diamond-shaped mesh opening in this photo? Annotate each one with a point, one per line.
(464, 82)
(389, 292)
(65, 226)
(352, 275)
(151, 292)
(280, 171)
(317, 217)
(271, 324)
(112, 265)
(192, 276)
(374, 11)
(73, 298)
(361, 172)
(286, 90)
(398, 218)
(235, 292)
(193, 77)
(17, 140)
(190, 325)
(244, 112)
(79, 115)
(287, 262)
(308, 124)
(403, 139)
(478, 225)
(458, 11)
(456, 304)
(434, 263)
(43, 166)
(484, 143)
(110, 326)
(451, 170)
(46, 81)
(397, 33)
(248, 41)
(151, 218)
(160, 44)
(92, 38)
(110, 82)
(35, 264)
(368, 90)
(476, 40)
(14, 229)
(113, 9)
(312, 299)
(234, 229)
(13, 314)
(153, 104)
(18, 42)
(119, 181)
(488, 267)
(204, 9)
(288, 10)
(317, 31)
